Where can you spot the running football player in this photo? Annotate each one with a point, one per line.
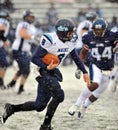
(101, 43)
(50, 94)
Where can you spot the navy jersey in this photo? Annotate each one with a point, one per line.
(101, 48)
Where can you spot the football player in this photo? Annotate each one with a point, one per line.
(101, 43)
(50, 94)
(21, 49)
(83, 27)
(4, 42)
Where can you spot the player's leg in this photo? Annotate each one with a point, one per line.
(96, 77)
(16, 57)
(87, 91)
(57, 94)
(83, 95)
(42, 99)
(24, 69)
(3, 67)
(114, 79)
(94, 96)
(12, 83)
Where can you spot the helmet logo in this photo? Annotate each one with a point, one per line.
(98, 26)
(62, 28)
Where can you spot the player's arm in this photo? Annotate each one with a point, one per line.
(85, 49)
(83, 53)
(40, 52)
(77, 61)
(24, 34)
(80, 66)
(37, 55)
(4, 38)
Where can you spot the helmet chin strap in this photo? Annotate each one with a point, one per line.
(103, 32)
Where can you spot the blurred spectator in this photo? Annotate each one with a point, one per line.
(113, 1)
(52, 16)
(9, 5)
(81, 15)
(2, 6)
(114, 24)
(89, 8)
(99, 12)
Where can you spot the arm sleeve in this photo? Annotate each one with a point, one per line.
(37, 55)
(77, 61)
(41, 51)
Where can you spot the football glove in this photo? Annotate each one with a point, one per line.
(78, 74)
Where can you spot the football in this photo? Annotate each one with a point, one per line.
(49, 57)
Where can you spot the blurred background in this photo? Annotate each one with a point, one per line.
(48, 11)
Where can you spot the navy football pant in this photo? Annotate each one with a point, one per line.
(3, 59)
(48, 87)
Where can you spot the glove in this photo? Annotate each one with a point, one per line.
(78, 74)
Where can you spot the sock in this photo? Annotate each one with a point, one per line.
(1, 82)
(21, 87)
(84, 94)
(50, 112)
(12, 83)
(27, 106)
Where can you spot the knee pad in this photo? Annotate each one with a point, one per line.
(93, 86)
(26, 74)
(60, 96)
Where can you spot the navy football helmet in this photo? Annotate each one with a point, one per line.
(99, 27)
(65, 29)
(28, 16)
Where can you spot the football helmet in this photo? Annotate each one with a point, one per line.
(65, 29)
(28, 16)
(99, 27)
(91, 16)
(3, 14)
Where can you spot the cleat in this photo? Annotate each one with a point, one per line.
(46, 127)
(7, 113)
(20, 91)
(73, 109)
(10, 86)
(81, 113)
(113, 85)
(3, 87)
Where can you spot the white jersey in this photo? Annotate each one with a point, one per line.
(20, 43)
(83, 24)
(54, 45)
(4, 22)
